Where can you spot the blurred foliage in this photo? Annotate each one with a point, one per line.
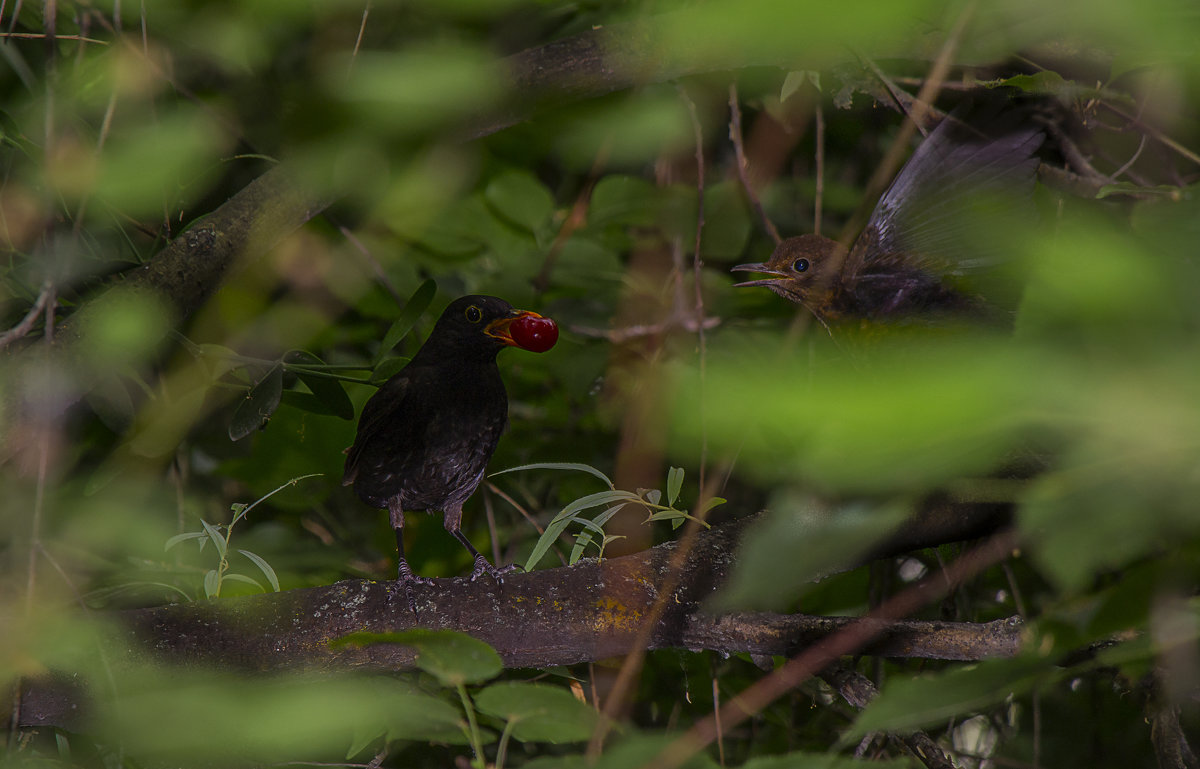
(138, 119)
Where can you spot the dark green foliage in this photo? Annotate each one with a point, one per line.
(128, 456)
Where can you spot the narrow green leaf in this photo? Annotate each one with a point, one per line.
(260, 403)
(416, 305)
(186, 536)
(388, 368)
(558, 466)
(567, 515)
(584, 538)
(217, 360)
(674, 484)
(246, 580)
(264, 566)
(218, 539)
(548, 538)
(326, 390)
(595, 500)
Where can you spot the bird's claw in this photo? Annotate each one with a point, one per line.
(407, 579)
(495, 572)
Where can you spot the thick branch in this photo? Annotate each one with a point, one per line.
(563, 616)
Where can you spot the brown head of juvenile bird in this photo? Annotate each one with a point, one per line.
(919, 237)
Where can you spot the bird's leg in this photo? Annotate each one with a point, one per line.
(404, 572)
(453, 523)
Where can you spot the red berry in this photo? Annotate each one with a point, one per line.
(534, 333)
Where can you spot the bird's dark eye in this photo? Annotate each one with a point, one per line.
(800, 265)
(474, 314)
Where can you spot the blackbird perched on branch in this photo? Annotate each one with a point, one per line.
(425, 437)
(919, 237)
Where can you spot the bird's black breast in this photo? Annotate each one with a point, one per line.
(427, 437)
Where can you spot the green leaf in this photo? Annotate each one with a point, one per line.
(905, 704)
(405, 713)
(454, 658)
(264, 566)
(595, 500)
(520, 198)
(217, 359)
(643, 750)
(540, 713)
(388, 368)
(245, 580)
(558, 466)
(416, 305)
(674, 484)
(1046, 82)
(260, 403)
(218, 539)
(584, 537)
(328, 391)
(186, 536)
(625, 200)
(566, 516)
(212, 583)
(799, 541)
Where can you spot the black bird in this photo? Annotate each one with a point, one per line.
(425, 437)
(919, 237)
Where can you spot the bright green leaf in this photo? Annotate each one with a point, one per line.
(541, 713)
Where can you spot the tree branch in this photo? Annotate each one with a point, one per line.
(562, 616)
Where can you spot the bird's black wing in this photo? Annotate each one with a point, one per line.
(383, 404)
(960, 176)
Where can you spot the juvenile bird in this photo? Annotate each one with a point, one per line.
(425, 437)
(918, 238)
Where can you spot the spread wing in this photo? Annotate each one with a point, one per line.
(388, 400)
(958, 175)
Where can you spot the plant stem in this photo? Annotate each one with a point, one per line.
(473, 733)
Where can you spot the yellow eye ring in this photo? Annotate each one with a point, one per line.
(474, 314)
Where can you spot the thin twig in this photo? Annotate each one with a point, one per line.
(42, 35)
(735, 136)
(362, 28)
(384, 280)
(1154, 133)
(697, 283)
(26, 324)
(626, 333)
(576, 218)
(1129, 163)
(819, 138)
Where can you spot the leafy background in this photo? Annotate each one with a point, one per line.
(139, 119)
